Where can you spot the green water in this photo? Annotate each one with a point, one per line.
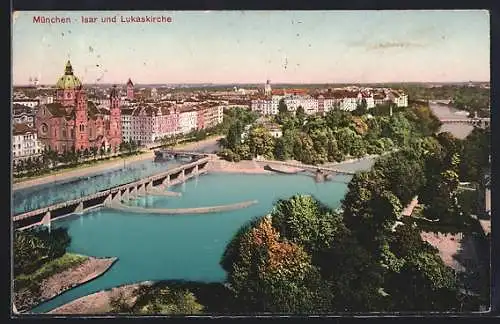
(188, 247)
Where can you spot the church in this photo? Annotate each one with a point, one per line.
(73, 122)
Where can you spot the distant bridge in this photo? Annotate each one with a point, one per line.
(479, 122)
(310, 167)
(119, 193)
(163, 153)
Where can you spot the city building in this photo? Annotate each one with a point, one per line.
(25, 143)
(188, 117)
(126, 118)
(32, 103)
(73, 122)
(211, 114)
(148, 123)
(23, 115)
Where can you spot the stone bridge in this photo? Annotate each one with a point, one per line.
(119, 193)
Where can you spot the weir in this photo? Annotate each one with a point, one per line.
(177, 211)
(114, 195)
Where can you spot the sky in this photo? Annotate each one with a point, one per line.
(253, 46)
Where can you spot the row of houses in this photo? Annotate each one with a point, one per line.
(149, 122)
(347, 100)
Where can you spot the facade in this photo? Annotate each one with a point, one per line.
(147, 123)
(188, 117)
(73, 122)
(264, 106)
(309, 103)
(25, 143)
(165, 122)
(212, 115)
(126, 118)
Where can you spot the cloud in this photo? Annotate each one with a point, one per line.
(393, 44)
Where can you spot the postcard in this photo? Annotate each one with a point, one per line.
(250, 162)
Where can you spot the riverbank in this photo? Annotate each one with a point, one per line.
(67, 277)
(101, 302)
(218, 165)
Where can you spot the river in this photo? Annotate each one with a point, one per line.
(448, 112)
(188, 247)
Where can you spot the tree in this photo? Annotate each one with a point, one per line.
(36, 246)
(94, 152)
(271, 275)
(260, 142)
(283, 113)
(300, 115)
(396, 168)
(362, 108)
(281, 149)
(233, 138)
(475, 155)
(168, 301)
(370, 209)
(305, 221)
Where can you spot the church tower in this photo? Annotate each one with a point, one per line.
(267, 88)
(81, 121)
(67, 87)
(130, 90)
(115, 119)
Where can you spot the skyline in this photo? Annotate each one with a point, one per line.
(231, 47)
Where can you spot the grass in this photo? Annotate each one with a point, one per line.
(67, 261)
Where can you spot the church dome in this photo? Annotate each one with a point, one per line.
(68, 80)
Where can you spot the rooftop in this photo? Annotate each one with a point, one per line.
(21, 129)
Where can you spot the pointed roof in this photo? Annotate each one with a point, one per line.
(129, 82)
(114, 92)
(69, 69)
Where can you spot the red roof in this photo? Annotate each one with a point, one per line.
(20, 129)
(280, 92)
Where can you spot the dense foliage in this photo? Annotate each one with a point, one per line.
(37, 246)
(334, 137)
(38, 254)
(157, 299)
(305, 258)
